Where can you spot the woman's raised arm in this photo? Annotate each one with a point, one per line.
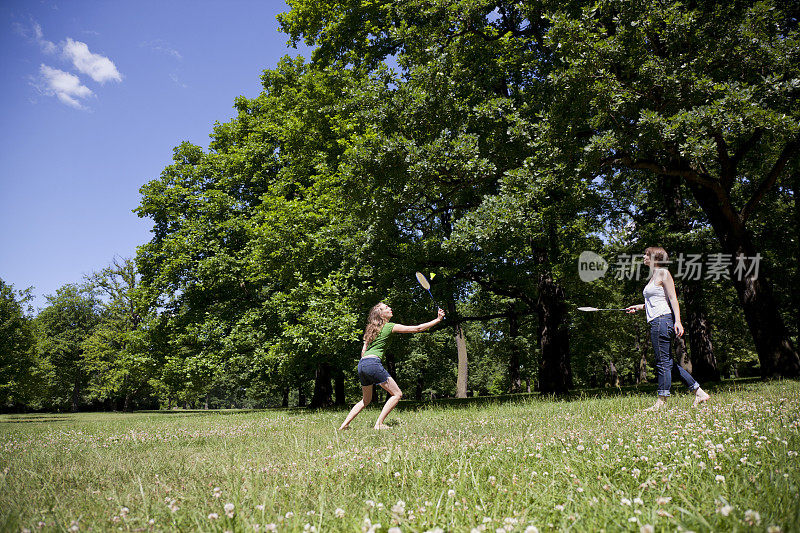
(400, 328)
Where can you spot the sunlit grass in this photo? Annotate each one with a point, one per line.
(589, 464)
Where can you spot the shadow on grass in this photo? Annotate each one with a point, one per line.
(644, 390)
(33, 419)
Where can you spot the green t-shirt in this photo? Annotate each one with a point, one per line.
(379, 344)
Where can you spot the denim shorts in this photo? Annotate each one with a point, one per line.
(371, 372)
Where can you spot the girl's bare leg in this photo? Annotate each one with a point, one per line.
(366, 398)
(391, 387)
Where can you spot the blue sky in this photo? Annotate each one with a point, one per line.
(95, 96)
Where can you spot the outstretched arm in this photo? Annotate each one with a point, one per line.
(634, 308)
(400, 328)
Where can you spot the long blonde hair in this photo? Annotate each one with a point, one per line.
(374, 324)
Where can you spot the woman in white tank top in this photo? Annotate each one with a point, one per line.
(664, 318)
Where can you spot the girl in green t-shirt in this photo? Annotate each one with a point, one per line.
(370, 369)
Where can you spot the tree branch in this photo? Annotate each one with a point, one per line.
(746, 146)
(483, 318)
(766, 184)
(646, 164)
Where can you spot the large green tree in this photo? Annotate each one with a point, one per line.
(116, 354)
(62, 327)
(17, 359)
(705, 92)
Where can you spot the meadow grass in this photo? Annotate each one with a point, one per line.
(589, 464)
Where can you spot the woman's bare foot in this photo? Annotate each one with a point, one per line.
(344, 428)
(382, 426)
(660, 404)
(700, 396)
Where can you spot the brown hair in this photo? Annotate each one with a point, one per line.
(657, 254)
(374, 323)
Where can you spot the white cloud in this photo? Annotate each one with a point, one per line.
(178, 82)
(63, 85)
(162, 47)
(34, 33)
(100, 68)
(47, 46)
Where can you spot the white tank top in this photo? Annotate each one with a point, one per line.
(655, 301)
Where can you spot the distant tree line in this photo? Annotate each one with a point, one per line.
(505, 139)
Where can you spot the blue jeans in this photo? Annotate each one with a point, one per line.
(662, 331)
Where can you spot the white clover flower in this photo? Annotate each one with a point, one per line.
(633, 519)
(625, 501)
(289, 515)
(451, 493)
(339, 512)
(217, 492)
(124, 512)
(774, 529)
(752, 517)
(260, 507)
(370, 504)
(271, 527)
(531, 529)
(395, 530)
(719, 478)
(397, 474)
(213, 516)
(725, 510)
(663, 500)
(647, 528)
(638, 501)
(229, 507)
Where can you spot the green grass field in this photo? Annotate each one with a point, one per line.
(586, 465)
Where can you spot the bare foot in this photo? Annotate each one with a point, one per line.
(345, 428)
(382, 426)
(700, 396)
(660, 404)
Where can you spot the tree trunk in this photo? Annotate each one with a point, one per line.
(323, 392)
(776, 352)
(285, 399)
(76, 393)
(703, 365)
(612, 376)
(419, 388)
(338, 386)
(461, 347)
(680, 354)
(514, 358)
(301, 394)
(126, 406)
(641, 348)
(796, 291)
(698, 329)
(555, 374)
